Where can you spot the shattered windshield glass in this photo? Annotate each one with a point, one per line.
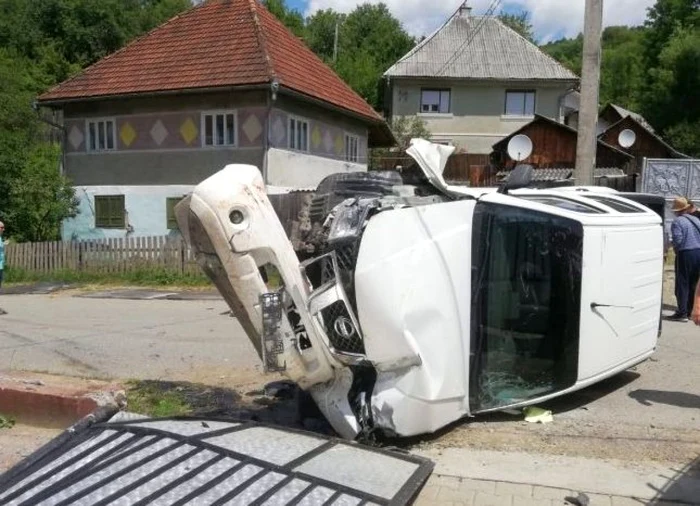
(525, 305)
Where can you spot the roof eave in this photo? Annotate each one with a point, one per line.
(58, 102)
(572, 80)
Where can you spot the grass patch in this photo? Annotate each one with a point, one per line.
(138, 277)
(151, 399)
(6, 422)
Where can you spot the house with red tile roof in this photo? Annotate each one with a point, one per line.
(224, 82)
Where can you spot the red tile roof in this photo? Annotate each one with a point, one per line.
(220, 43)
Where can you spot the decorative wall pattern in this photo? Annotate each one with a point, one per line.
(181, 130)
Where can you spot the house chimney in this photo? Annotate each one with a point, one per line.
(465, 10)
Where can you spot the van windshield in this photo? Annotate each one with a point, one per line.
(526, 305)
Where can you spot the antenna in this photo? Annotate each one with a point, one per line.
(520, 147)
(627, 138)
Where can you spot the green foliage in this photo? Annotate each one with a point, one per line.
(291, 18)
(320, 32)
(370, 40)
(654, 69)
(43, 42)
(672, 99)
(150, 399)
(141, 277)
(520, 22)
(404, 128)
(6, 422)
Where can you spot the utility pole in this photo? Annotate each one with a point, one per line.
(335, 42)
(587, 143)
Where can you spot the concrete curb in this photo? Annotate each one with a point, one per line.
(49, 401)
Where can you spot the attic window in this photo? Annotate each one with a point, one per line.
(435, 101)
(520, 103)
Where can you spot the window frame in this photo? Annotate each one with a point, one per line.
(440, 92)
(214, 113)
(524, 114)
(290, 139)
(349, 137)
(100, 221)
(88, 134)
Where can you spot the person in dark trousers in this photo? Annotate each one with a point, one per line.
(2, 251)
(685, 235)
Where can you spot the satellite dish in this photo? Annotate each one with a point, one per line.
(520, 147)
(627, 138)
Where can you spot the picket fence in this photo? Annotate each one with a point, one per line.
(109, 256)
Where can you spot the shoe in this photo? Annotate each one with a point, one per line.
(677, 317)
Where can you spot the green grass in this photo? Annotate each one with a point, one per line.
(139, 277)
(147, 398)
(6, 422)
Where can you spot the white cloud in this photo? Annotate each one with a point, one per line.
(551, 18)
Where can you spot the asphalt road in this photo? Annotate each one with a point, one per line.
(122, 339)
(197, 341)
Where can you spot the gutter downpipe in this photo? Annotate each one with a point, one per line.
(271, 98)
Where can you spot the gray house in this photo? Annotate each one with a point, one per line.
(475, 81)
(224, 82)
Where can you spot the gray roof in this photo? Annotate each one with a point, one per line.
(471, 47)
(637, 117)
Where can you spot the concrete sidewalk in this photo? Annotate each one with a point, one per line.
(485, 478)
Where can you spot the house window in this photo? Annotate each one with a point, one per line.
(298, 134)
(170, 204)
(352, 148)
(520, 103)
(435, 101)
(110, 211)
(101, 135)
(219, 128)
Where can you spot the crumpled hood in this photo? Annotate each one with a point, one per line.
(432, 159)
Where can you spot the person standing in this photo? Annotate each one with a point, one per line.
(685, 235)
(2, 251)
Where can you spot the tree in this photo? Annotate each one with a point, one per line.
(371, 41)
(404, 129)
(567, 52)
(520, 22)
(320, 32)
(672, 101)
(34, 197)
(291, 18)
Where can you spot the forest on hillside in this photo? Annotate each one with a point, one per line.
(653, 69)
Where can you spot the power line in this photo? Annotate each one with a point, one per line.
(489, 13)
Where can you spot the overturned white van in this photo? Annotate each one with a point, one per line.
(425, 303)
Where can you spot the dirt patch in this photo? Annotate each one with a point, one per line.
(21, 441)
(563, 437)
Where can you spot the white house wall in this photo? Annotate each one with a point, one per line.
(300, 170)
(145, 208)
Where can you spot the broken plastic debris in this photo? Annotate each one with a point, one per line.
(533, 414)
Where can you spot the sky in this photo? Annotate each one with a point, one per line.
(552, 19)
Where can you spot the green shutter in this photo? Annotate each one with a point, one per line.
(170, 204)
(110, 211)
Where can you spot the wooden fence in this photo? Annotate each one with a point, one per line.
(109, 256)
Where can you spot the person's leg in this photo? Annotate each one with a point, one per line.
(683, 283)
(1, 271)
(693, 277)
(676, 282)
